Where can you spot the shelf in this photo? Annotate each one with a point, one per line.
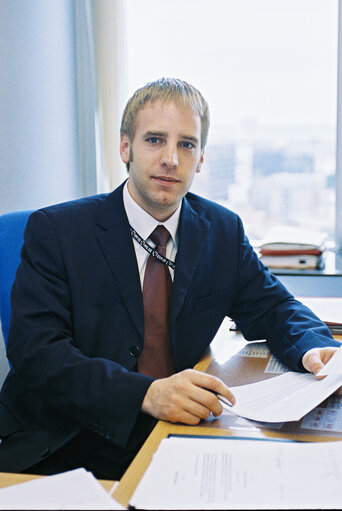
(325, 282)
(332, 267)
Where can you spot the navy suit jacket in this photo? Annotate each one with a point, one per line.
(77, 318)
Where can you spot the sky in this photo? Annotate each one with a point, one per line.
(264, 61)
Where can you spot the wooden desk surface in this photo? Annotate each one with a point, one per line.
(224, 346)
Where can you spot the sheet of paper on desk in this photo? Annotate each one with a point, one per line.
(76, 489)
(216, 473)
(284, 398)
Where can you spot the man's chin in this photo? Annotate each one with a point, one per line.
(165, 205)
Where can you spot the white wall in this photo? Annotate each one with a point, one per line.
(39, 160)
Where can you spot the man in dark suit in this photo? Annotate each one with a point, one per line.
(78, 393)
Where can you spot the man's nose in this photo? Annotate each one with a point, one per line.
(169, 157)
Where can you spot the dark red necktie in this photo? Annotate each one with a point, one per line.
(157, 358)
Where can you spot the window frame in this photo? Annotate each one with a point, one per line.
(338, 173)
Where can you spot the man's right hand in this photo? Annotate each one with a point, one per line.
(187, 397)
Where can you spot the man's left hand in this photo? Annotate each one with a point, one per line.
(316, 358)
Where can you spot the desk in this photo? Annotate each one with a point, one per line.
(222, 348)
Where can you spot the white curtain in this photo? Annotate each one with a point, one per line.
(111, 71)
(338, 185)
(101, 54)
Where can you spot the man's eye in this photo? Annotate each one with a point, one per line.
(153, 140)
(187, 145)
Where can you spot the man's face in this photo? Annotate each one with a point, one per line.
(165, 155)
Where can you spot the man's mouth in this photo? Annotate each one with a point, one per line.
(165, 180)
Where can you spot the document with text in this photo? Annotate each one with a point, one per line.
(229, 473)
(287, 397)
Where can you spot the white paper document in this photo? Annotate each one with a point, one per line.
(255, 350)
(75, 489)
(328, 309)
(284, 398)
(334, 366)
(274, 365)
(201, 473)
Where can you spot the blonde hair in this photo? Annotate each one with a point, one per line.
(166, 89)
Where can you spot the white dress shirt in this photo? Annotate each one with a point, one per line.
(144, 224)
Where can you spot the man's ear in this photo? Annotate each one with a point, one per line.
(200, 162)
(124, 148)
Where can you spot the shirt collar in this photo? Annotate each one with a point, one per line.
(144, 223)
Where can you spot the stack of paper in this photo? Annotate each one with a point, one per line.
(228, 473)
(290, 247)
(328, 310)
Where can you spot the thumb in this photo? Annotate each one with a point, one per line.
(312, 361)
(316, 366)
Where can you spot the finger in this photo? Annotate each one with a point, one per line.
(207, 399)
(193, 387)
(186, 410)
(316, 365)
(218, 410)
(323, 354)
(327, 353)
(216, 385)
(213, 384)
(315, 359)
(312, 361)
(200, 410)
(188, 418)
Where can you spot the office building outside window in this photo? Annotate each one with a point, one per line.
(268, 69)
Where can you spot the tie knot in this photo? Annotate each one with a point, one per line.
(160, 236)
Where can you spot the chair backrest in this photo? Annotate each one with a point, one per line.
(12, 226)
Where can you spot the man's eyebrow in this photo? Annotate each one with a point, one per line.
(155, 134)
(190, 138)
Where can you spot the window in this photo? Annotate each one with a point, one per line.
(268, 69)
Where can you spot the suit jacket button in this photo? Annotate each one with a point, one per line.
(45, 453)
(135, 351)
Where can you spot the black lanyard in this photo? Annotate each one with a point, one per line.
(154, 253)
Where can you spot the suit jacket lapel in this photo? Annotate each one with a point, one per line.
(193, 232)
(114, 237)
(112, 231)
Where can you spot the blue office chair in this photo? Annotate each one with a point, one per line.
(12, 227)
